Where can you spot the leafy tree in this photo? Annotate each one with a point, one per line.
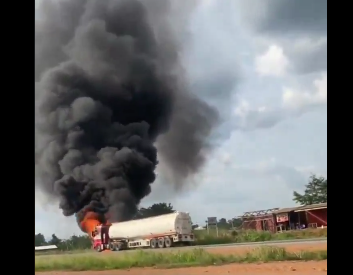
(54, 240)
(155, 210)
(235, 222)
(222, 221)
(223, 224)
(80, 242)
(194, 226)
(229, 224)
(39, 240)
(315, 191)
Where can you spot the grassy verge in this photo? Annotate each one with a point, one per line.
(226, 236)
(196, 257)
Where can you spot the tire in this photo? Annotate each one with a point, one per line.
(168, 242)
(98, 248)
(112, 246)
(153, 243)
(160, 243)
(119, 247)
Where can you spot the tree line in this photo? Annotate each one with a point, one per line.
(315, 192)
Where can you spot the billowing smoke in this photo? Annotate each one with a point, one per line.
(108, 84)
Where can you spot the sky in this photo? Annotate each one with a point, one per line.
(263, 64)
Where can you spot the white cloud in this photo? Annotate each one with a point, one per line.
(243, 109)
(294, 102)
(268, 151)
(309, 44)
(298, 99)
(272, 63)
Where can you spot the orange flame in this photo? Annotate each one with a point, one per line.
(90, 221)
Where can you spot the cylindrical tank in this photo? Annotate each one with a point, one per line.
(168, 224)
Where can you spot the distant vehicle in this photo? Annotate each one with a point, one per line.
(45, 247)
(199, 228)
(155, 232)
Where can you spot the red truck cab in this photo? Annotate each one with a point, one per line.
(100, 238)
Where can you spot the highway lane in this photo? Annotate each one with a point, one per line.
(215, 246)
(272, 243)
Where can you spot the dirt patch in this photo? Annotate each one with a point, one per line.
(284, 268)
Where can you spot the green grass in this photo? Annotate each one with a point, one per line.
(226, 236)
(196, 257)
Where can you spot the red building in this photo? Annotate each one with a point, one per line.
(275, 219)
(315, 214)
(261, 220)
(307, 216)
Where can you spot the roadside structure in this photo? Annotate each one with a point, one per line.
(282, 219)
(260, 220)
(301, 217)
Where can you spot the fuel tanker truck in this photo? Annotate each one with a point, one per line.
(155, 232)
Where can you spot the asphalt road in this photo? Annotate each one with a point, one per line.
(274, 243)
(231, 245)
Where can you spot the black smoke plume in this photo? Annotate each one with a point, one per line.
(108, 84)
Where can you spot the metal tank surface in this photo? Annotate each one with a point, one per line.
(174, 223)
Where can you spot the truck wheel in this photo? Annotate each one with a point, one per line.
(161, 243)
(119, 247)
(167, 242)
(153, 243)
(98, 248)
(112, 247)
